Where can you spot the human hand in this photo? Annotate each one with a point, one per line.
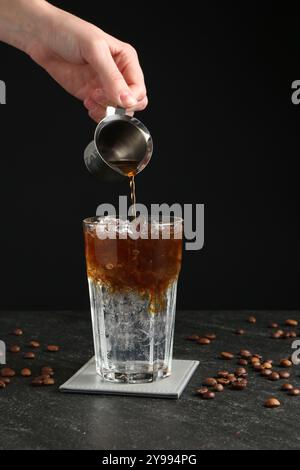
(90, 64)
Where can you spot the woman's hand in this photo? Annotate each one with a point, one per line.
(93, 66)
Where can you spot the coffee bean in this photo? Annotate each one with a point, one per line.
(273, 325)
(266, 372)
(201, 390)
(211, 336)
(242, 362)
(192, 338)
(252, 319)
(223, 374)
(227, 355)
(6, 380)
(18, 332)
(286, 387)
(54, 347)
(203, 341)
(37, 382)
(257, 356)
(290, 334)
(231, 378)
(286, 363)
(274, 376)
(240, 372)
(47, 370)
(276, 335)
(34, 344)
(218, 388)
(29, 355)
(208, 396)
(267, 365)
(291, 322)
(210, 382)
(272, 403)
(2, 384)
(48, 381)
(7, 372)
(15, 349)
(284, 374)
(239, 384)
(240, 332)
(26, 372)
(245, 354)
(294, 392)
(223, 381)
(257, 366)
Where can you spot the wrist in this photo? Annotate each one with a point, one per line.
(24, 22)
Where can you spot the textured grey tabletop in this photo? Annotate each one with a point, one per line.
(44, 418)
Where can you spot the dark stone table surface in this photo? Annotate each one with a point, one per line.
(44, 418)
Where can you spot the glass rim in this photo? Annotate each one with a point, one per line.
(172, 220)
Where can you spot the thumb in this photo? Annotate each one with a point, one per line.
(114, 85)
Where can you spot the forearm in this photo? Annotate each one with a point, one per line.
(22, 21)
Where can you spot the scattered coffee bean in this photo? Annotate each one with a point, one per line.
(276, 335)
(273, 325)
(232, 378)
(242, 362)
(54, 347)
(7, 372)
(286, 387)
(223, 373)
(47, 370)
(291, 322)
(223, 381)
(239, 384)
(203, 341)
(6, 380)
(274, 376)
(218, 388)
(211, 336)
(37, 382)
(290, 334)
(208, 396)
(210, 382)
(192, 338)
(26, 372)
(294, 392)
(15, 349)
(240, 332)
(29, 355)
(258, 356)
(34, 344)
(18, 332)
(48, 381)
(227, 355)
(266, 372)
(240, 372)
(255, 360)
(286, 363)
(245, 354)
(284, 374)
(2, 384)
(251, 319)
(201, 390)
(267, 365)
(272, 403)
(257, 366)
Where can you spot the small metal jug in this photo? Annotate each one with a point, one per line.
(122, 147)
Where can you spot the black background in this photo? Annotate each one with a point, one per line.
(225, 132)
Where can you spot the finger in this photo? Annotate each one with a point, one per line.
(97, 114)
(90, 104)
(140, 106)
(132, 72)
(114, 85)
(98, 96)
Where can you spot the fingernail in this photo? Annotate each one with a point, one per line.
(90, 104)
(127, 99)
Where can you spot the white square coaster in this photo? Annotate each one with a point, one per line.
(86, 380)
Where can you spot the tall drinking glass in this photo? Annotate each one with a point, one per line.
(132, 269)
